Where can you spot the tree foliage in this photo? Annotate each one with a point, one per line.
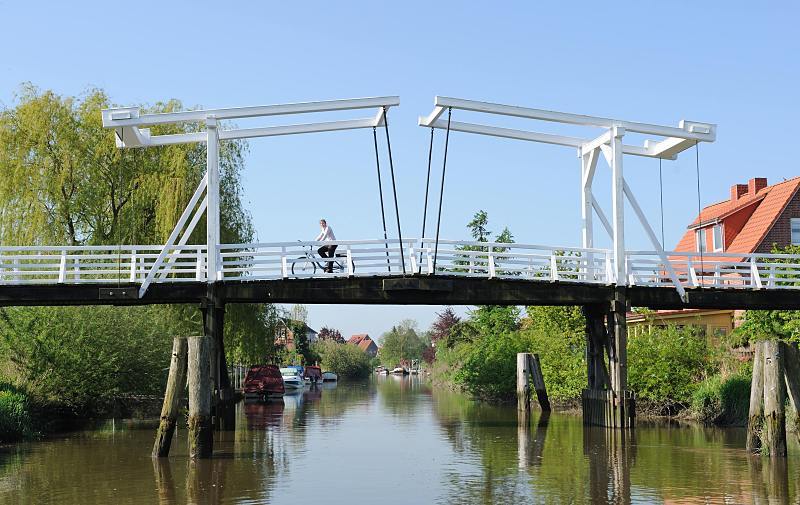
(348, 361)
(65, 182)
(403, 342)
(330, 334)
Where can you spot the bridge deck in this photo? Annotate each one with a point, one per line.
(392, 290)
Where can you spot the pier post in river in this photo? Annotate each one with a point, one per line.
(176, 385)
(776, 374)
(201, 435)
(606, 401)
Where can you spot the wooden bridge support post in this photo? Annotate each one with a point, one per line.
(201, 435)
(606, 401)
(176, 385)
(223, 408)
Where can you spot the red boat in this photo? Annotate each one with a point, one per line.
(312, 373)
(263, 382)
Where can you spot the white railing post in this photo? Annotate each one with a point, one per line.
(492, 268)
(553, 267)
(133, 265)
(15, 270)
(609, 269)
(198, 265)
(76, 269)
(772, 275)
(350, 268)
(284, 263)
(692, 274)
(412, 255)
(62, 267)
(429, 261)
(755, 275)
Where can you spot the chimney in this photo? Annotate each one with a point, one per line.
(756, 184)
(737, 190)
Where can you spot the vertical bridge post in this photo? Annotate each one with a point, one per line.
(606, 401)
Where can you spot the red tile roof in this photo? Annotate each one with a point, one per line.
(363, 341)
(770, 203)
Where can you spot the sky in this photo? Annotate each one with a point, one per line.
(731, 63)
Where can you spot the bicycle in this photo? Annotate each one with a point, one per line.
(310, 261)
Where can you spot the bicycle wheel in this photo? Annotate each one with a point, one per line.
(341, 263)
(303, 266)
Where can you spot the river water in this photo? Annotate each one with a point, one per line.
(395, 440)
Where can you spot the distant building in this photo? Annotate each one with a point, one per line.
(284, 336)
(365, 343)
(755, 218)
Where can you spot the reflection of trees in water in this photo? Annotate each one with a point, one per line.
(516, 464)
(402, 395)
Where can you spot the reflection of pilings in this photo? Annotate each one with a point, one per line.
(205, 481)
(165, 486)
(529, 452)
(610, 454)
(770, 480)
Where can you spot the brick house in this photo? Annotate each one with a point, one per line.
(284, 336)
(755, 219)
(365, 343)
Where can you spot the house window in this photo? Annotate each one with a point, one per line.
(795, 231)
(718, 242)
(701, 239)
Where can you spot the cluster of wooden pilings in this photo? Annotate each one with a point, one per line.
(606, 401)
(199, 362)
(776, 375)
(529, 373)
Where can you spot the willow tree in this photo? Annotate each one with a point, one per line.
(63, 181)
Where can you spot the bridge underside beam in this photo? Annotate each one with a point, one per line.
(417, 290)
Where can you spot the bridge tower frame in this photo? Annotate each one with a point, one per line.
(606, 401)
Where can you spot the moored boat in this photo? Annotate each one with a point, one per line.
(400, 371)
(329, 376)
(263, 382)
(313, 374)
(292, 380)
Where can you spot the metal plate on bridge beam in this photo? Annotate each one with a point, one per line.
(115, 293)
(417, 284)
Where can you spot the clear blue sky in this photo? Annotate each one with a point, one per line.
(732, 63)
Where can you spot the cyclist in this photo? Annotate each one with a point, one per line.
(326, 251)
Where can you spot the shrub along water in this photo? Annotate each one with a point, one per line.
(15, 419)
(348, 361)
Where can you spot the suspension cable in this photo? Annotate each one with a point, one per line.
(441, 191)
(425, 207)
(661, 196)
(380, 193)
(394, 188)
(699, 208)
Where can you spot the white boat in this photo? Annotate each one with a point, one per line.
(400, 371)
(292, 378)
(329, 376)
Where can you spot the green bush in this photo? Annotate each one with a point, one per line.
(348, 361)
(489, 365)
(722, 401)
(667, 364)
(79, 359)
(15, 419)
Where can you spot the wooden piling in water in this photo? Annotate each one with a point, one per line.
(176, 385)
(791, 370)
(200, 390)
(755, 419)
(535, 368)
(523, 387)
(774, 396)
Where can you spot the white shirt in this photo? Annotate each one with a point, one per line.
(326, 235)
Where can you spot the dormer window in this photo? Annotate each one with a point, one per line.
(700, 237)
(718, 238)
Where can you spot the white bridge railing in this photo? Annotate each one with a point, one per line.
(357, 258)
